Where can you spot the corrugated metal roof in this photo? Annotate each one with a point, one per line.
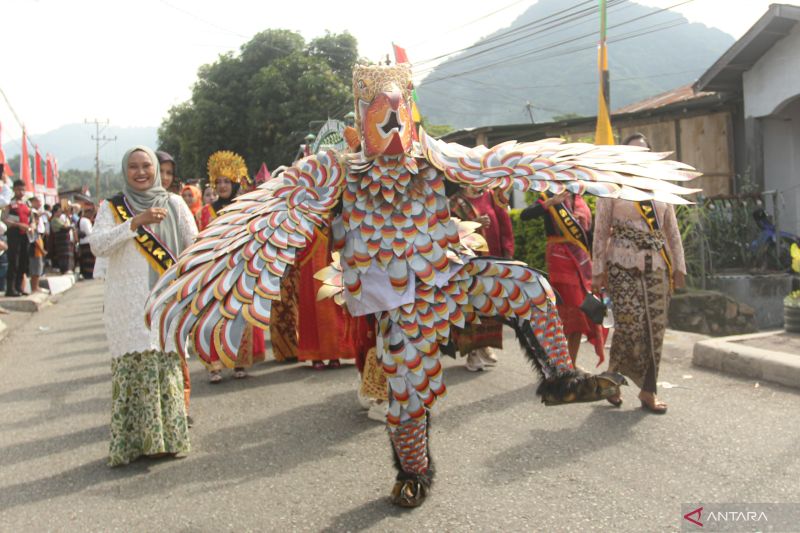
(681, 94)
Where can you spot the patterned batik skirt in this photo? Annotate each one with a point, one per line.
(640, 303)
(148, 415)
(86, 261)
(283, 318)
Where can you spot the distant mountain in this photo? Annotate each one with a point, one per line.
(72, 144)
(548, 57)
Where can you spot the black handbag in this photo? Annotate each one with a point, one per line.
(594, 308)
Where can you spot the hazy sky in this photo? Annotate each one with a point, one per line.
(67, 60)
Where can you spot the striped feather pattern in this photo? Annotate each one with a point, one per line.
(232, 273)
(626, 172)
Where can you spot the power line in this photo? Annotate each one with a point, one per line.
(544, 21)
(19, 121)
(537, 35)
(643, 31)
(560, 43)
(487, 15)
(558, 85)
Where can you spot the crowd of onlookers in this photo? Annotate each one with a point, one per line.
(36, 238)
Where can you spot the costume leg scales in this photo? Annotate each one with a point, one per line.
(413, 462)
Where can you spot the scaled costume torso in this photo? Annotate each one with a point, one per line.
(127, 278)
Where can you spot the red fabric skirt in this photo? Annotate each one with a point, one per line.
(325, 329)
(567, 279)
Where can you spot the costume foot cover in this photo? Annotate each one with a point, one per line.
(413, 463)
(578, 387)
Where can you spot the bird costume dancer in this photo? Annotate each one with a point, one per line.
(402, 259)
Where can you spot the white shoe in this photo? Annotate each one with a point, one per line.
(364, 401)
(487, 356)
(378, 411)
(474, 362)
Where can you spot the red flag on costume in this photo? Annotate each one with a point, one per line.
(263, 174)
(25, 164)
(400, 56)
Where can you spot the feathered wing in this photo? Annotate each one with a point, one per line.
(626, 172)
(229, 277)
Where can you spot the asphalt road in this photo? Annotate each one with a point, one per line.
(289, 448)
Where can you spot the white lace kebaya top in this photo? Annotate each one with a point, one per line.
(127, 279)
(608, 249)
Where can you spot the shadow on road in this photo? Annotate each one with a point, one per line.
(46, 446)
(365, 516)
(56, 390)
(257, 449)
(547, 449)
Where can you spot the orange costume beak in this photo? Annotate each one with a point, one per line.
(386, 123)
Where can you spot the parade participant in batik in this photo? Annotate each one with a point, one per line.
(141, 232)
(227, 173)
(567, 224)
(638, 257)
(472, 204)
(61, 229)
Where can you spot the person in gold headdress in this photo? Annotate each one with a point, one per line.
(227, 174)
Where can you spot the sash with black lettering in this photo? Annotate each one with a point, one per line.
(647, 208)
(157, 254)
(568, 225)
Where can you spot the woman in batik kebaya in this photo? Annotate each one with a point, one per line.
(638, 256)
(141, 232)
(227, 173)
(567, 224)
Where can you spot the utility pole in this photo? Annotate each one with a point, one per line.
(100, 126)
(529, 107)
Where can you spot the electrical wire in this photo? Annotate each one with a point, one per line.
(550, 46)
(451, 30)
(19, 122)
(518, 57)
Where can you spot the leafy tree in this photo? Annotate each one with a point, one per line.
(260, 102)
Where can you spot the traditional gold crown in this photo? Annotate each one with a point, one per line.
(227, 164)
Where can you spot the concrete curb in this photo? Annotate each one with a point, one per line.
(56, 284)
(726, 355)
(25, 304)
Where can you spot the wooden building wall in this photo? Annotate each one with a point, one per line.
(703, 141)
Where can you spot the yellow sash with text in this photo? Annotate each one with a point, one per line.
(156, 253)
(568, 225)
(647, 209)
